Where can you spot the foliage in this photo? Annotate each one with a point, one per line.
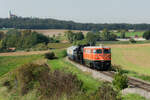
(71, 36)
(81, 42)
(91, 38)
(41, 46)
(23, 39)
(47, 84)
(123, 34)
(63, 53)
(1, 35)
(132, 40)
(107, 36)
(146, 35)
(49, 55)
(48, 23)
(120, 81)
(105, 92)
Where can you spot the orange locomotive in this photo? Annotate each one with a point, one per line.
(98, 57)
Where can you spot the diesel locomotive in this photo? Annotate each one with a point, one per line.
(97, 57)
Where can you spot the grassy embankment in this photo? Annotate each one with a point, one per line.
(10, 63)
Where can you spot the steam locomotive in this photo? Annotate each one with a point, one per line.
(97, 57)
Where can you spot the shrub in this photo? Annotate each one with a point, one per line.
(132, 41)
(120, 81)
(63, 53)
(28, 74)
(105, 92)
(49, 55)
(146, 35)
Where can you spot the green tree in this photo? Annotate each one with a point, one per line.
(105, 35)
(146, 35)
(123, 34)
(1, 35)
(91, 38)
(69, 35)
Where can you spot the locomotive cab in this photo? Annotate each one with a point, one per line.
(98, 57)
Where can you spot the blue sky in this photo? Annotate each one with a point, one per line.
(95, 11)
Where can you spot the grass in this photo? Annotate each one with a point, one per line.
(8, 63)
(89, 83)
(133, 59)
(130, 34)
(133, 97)
(121, 42)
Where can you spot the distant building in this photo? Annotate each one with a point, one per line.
(12, 15)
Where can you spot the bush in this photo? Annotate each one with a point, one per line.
(105, 92)
(50, 55)
(28, 74)
(120, 81)
(132, 41)
(146, 35)
(63, 53)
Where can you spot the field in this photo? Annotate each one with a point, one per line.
(51, 32)
(9, 63)
(133, 57)
(130, 34)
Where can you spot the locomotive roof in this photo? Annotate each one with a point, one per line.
(97, 47)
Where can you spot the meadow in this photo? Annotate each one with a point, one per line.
(130, 34)
(10, 63)
(133, 58)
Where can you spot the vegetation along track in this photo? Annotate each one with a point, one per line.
(133, 82)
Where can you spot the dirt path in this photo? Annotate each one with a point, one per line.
(22, 53)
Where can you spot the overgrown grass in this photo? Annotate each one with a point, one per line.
(133, 97)
(89, 83)
(8, 63)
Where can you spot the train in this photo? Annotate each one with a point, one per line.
(97, 57)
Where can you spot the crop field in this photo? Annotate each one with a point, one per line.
(132, 57)
(130, 34)
(51, 32)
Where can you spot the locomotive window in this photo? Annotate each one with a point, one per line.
(107, 51)
(99, 51)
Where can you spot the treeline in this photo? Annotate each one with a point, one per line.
(77, 38)
(23, 39)
(39, 23)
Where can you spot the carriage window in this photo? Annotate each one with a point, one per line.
(99, 51)
(107, 51)
(94, 51)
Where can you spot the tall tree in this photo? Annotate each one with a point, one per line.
(91, 38)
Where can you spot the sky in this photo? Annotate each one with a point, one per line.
(84, 11)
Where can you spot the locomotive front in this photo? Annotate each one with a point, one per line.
(98, 57)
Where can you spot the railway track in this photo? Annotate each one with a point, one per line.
(132, 82)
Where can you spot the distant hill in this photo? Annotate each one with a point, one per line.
(48, 23)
